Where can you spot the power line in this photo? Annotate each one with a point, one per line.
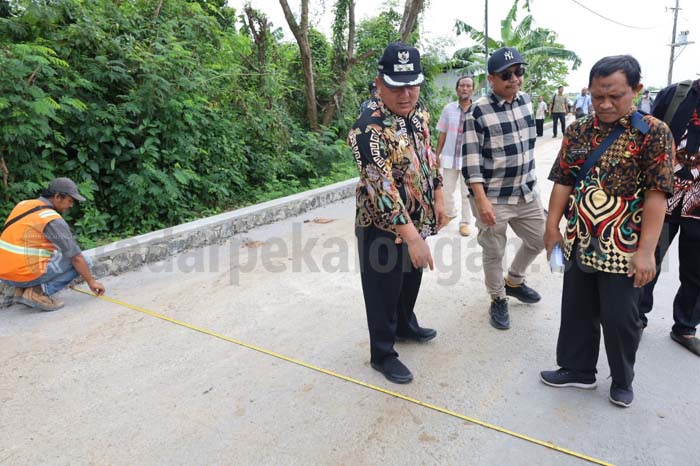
(608, 19)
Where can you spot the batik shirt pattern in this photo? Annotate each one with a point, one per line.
(686, 187)
(399, 172)
(604, 213)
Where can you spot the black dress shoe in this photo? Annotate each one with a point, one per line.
(421, 336)
(394, 370)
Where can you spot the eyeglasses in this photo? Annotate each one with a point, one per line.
(506, 75)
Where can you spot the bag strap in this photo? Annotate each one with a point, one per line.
(590, 161)
(635, 120)
(679, 95)
(21, 216)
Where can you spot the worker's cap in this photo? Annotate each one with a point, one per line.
(66, 186)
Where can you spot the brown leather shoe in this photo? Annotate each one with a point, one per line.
(692, 343)
(464, 229)
(34, 297)
(18, 294)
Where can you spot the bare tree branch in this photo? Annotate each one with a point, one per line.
(259, 28)
(411, 10)
(160, 6)
(350, 61)
(32, 77)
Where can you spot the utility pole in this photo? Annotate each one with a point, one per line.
(486, 43)
(673, 45)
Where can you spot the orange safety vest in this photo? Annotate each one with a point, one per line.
(24, 250)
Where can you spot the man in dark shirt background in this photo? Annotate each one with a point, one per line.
(682, 211)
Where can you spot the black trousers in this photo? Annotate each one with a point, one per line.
(686, 304)
(539, 125)
(390, 286)
(558, 117)
(592, 299)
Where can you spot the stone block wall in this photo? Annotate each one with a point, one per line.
(132, 253)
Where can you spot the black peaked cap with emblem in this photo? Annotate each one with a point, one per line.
(400, 66)
(504, 58)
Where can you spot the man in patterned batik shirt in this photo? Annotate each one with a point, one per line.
(614, 214)
(399, 204)
(498, 162)
(682, 212)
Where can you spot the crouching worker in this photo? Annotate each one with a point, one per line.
(38, 254)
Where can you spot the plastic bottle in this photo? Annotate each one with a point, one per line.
(556, 260)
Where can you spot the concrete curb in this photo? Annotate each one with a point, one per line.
(131, 253)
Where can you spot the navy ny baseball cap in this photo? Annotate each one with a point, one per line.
(504, 58)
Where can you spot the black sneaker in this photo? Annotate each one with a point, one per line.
(394, 370)
(621, 396)
(421, 336)
(522, 293)
(499, 314)
(568, 378)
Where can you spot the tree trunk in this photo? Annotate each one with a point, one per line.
(160, 6)
(259, 28)
(301, 34)
(337, 97)
(4, 170)
(411, 10)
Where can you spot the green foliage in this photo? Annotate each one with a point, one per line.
(546, 57)
(160, 118)
(373, 35)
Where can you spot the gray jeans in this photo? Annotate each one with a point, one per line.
(528, 222)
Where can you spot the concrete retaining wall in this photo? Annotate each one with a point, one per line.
(131, 253)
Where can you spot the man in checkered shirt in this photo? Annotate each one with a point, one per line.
(498, 164)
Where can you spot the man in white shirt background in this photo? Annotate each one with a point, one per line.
(540, 114)
(583, 105)
(449, 149)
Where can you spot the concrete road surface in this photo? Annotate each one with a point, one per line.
(97, 383)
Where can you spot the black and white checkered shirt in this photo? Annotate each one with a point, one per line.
(499, 148)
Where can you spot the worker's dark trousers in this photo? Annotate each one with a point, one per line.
(390, 286)
(591, 299)
(686, 305)
(539, 126)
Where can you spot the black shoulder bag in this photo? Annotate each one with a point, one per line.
(21, 216)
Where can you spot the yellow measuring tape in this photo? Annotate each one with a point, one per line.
(350, 379)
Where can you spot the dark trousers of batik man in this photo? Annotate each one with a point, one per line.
(390, 286)
(592, 299)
